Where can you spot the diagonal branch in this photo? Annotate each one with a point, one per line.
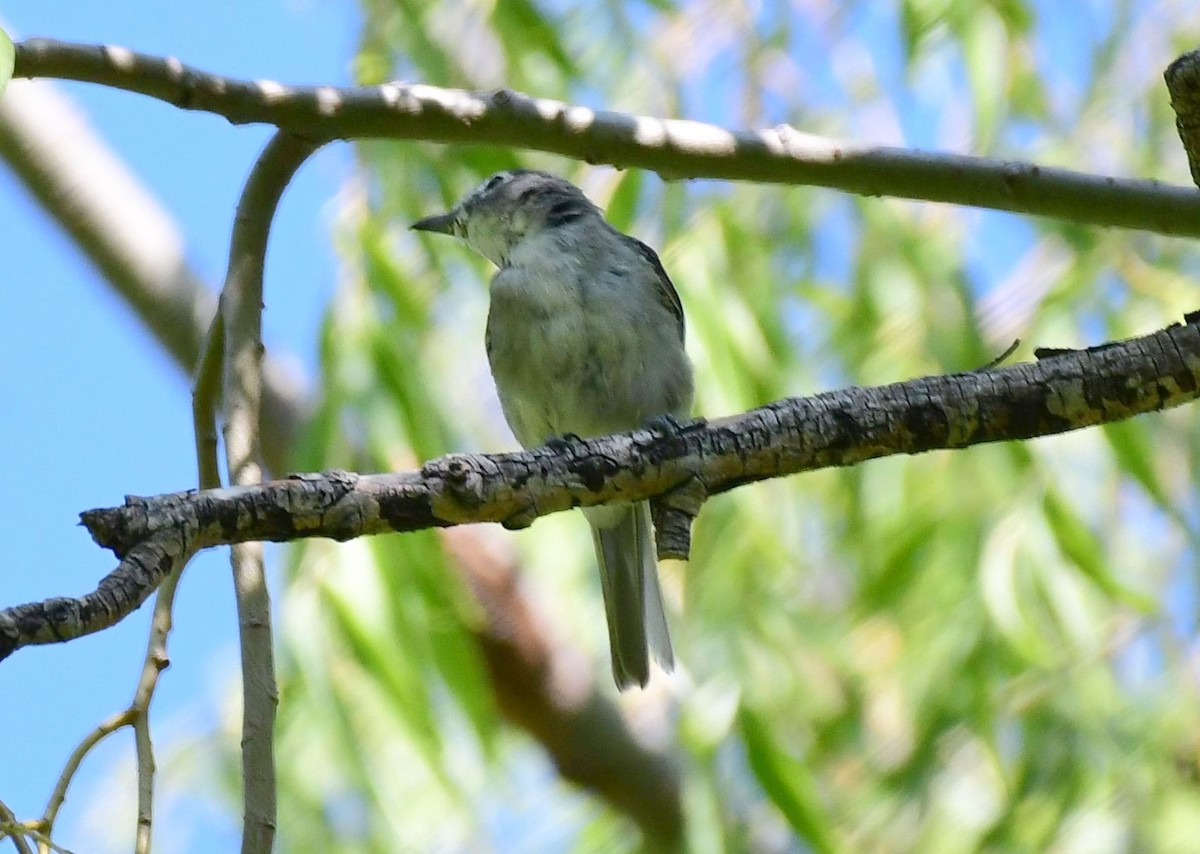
(1065, 391)
(673, 148)
(10, 828)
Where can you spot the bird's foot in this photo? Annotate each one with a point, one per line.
(667, 425)
(562, 443)
(523, 518)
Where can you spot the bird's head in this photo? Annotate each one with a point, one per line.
(508, 208)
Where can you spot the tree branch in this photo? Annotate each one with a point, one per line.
(673, 148)
(154, 662)
(241, 310)
(11, 828)
(1065, 391)
(102, 731)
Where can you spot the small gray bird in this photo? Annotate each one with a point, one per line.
(585, 337)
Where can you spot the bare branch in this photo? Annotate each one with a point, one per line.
(118, 594)
(241, 309)
(10, 827)
(206, 387)
(59, 795)
(673, 148)
(154, 662)
(1066, 391)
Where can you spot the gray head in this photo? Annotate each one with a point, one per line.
(509, 207)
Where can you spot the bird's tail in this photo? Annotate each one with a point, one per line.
(637, 623)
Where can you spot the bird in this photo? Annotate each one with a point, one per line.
(585, 337)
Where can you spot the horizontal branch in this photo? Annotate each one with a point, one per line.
(673, 148)
(677, 466)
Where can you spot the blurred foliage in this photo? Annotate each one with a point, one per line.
(986, 649)
(7, 55)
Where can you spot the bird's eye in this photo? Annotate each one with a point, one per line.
(494, 182)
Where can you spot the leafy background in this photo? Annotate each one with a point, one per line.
(991, 648)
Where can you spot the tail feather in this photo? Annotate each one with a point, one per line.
(659, 635)
(637, 623)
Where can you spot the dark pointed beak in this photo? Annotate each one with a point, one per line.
(441, 224)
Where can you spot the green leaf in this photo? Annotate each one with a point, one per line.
(787, 782)
(526, 32)
(1082, 547)
(8, 55)
(1132, 444)
(622, 206)
(985, 50)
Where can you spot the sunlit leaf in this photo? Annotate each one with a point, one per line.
(985, 49)
(1135, 455)
(8, 54)
(786, 781)
(622, 204)
(1083, 548)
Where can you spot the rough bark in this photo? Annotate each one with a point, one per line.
(1064, 390)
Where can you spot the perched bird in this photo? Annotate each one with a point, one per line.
(584, 336)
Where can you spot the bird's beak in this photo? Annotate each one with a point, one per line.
(441, 224)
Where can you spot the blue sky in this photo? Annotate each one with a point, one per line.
(92, 408)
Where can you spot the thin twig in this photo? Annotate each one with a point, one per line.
(137, 716)
(674, 148)
(10, 827)
(206, 386)
(45, 843)
(1008, 351)
(59, 795)
(156, 660)
(241, 304)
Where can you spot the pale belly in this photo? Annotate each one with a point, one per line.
(557, 375)
(547, 379)
(583, 360)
